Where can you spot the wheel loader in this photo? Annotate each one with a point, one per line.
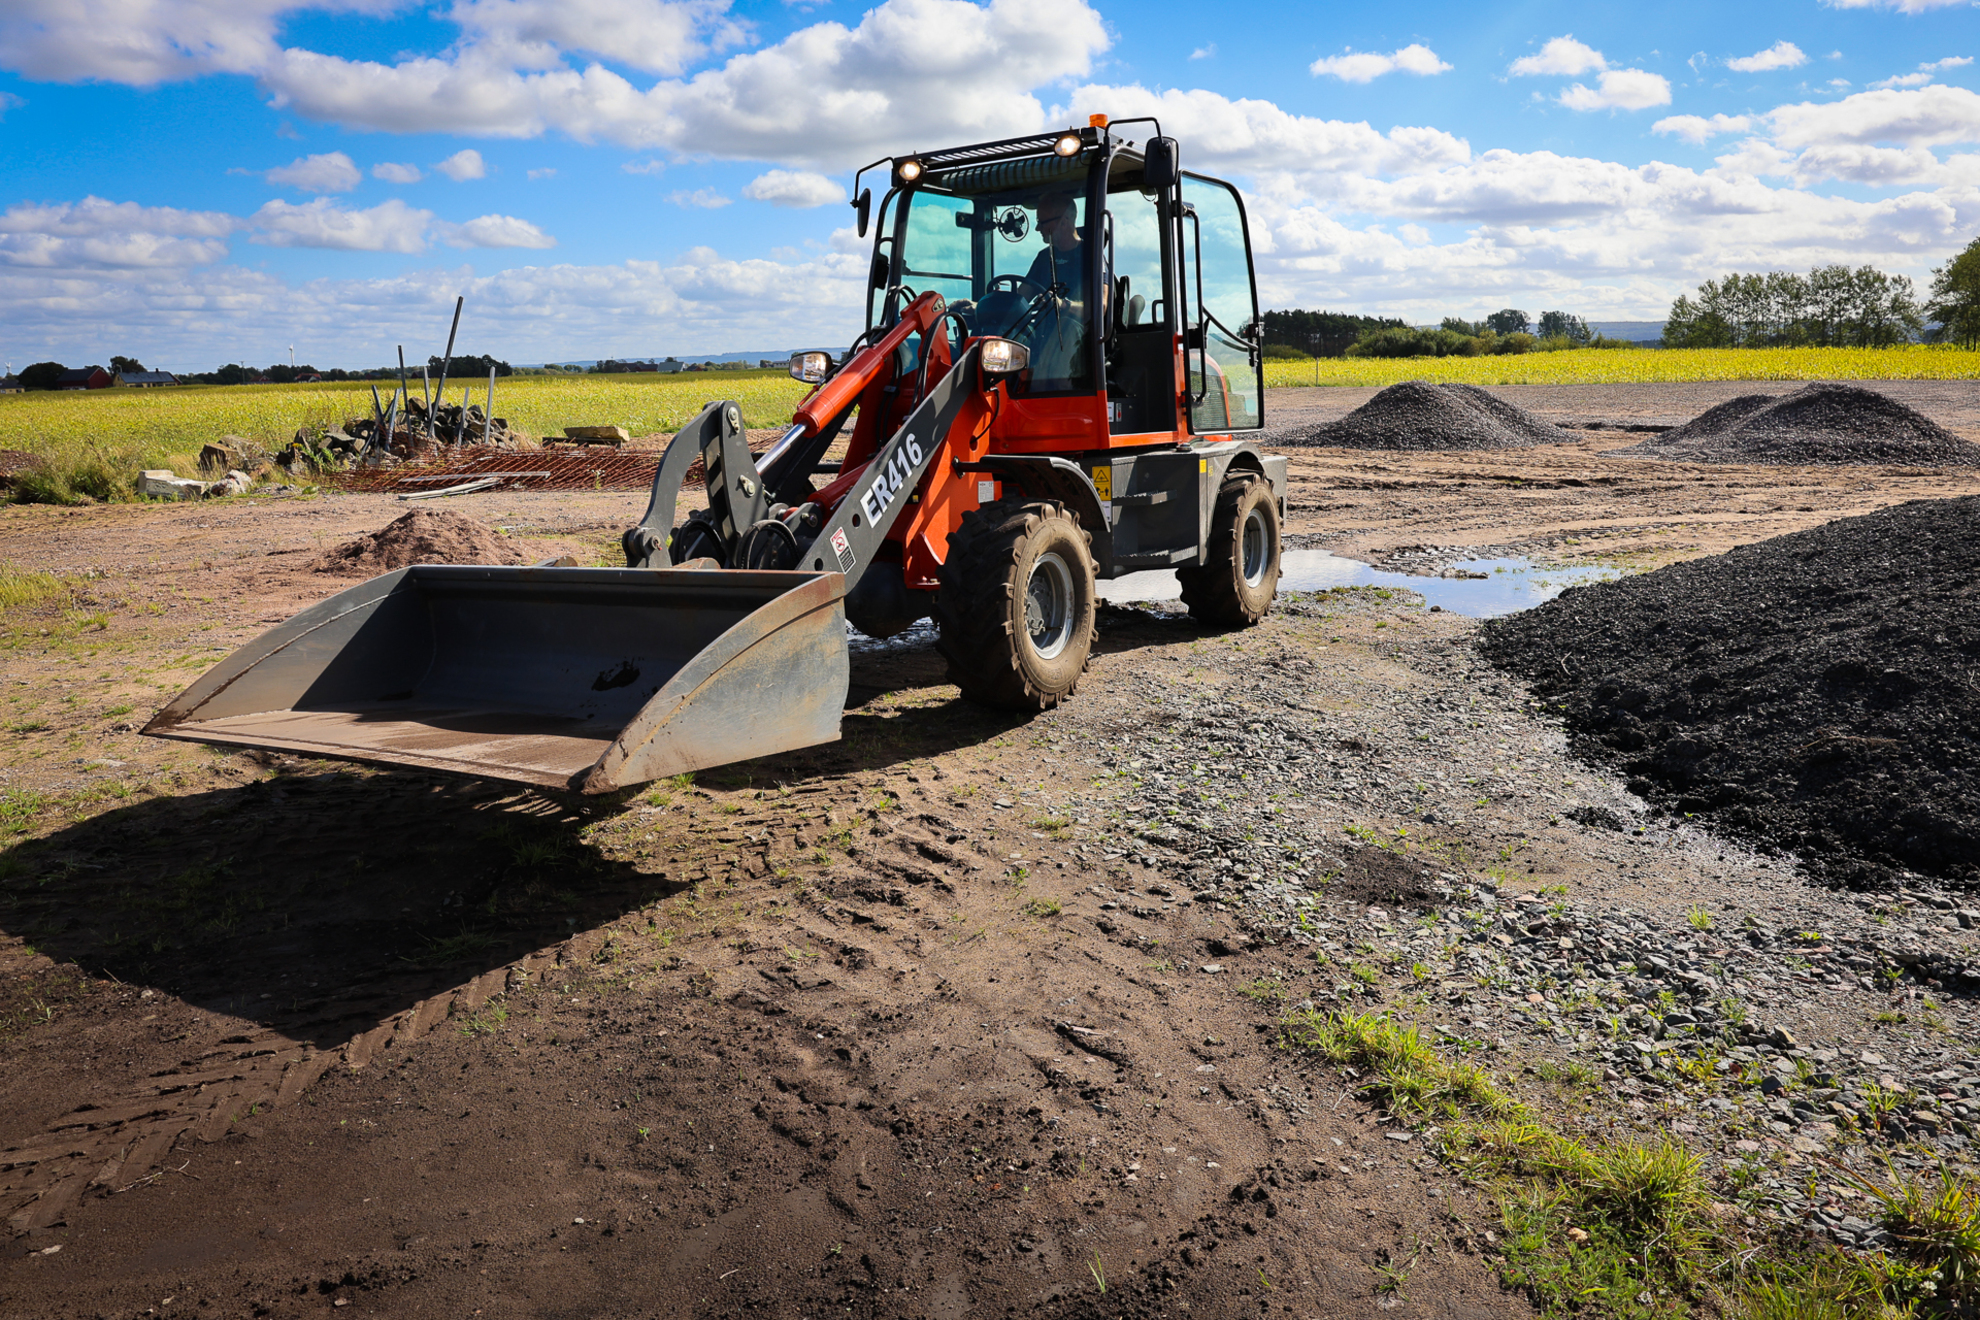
(1060, 364)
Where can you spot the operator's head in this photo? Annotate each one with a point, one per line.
(1058, 219)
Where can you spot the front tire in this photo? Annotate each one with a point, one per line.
(1236, 583)
(1016, 605)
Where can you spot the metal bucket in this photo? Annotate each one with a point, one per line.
(583, 678)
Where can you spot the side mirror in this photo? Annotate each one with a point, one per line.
(863, 208)
(811, 368)
(1159, 169)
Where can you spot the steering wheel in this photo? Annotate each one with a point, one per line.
(1015, 281)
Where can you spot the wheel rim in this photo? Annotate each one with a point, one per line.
(1048, 606)
(1257, 547)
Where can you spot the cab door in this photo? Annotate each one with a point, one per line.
(1226, 376)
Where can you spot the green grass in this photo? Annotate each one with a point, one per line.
(1044, 907)
(18, 587)
(1624, 366)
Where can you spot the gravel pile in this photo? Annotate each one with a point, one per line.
(1820, 424)
(424, 536)
(1417, 415)
(1819, 691)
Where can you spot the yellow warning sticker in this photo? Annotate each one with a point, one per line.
(1103, 481)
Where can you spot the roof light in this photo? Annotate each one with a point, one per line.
(908, 170)
(1068, 145)
(1096, 121)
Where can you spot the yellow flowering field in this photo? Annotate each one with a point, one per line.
(96, 441)
(1641, 366)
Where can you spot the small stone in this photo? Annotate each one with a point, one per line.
(1397, 1136)
(1211, 969)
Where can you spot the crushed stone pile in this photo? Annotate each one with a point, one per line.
(1817, 692)
(1821, 424)
(424, 536)
(1416, 415)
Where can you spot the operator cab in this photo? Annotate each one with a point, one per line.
(1132, 288)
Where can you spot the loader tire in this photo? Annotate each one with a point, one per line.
(1235, 585)
(1016, 605)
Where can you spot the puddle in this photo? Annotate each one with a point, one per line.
(1506, 587)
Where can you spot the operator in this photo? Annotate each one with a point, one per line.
(1063, 260)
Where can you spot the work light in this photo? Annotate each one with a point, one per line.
(1068, 145)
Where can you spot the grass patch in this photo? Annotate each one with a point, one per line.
(26, 588)
(1623, 366)
(1044, 907)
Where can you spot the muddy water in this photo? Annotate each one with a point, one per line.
(1490, 588)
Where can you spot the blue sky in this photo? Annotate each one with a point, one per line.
(194, 181)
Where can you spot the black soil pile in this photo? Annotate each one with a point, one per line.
(1417, 415)
(424, 536)
(1817, 425)
(1817, 692)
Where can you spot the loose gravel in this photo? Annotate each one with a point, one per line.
(1818, 691)
(1818, 424)
(424, 536)
(1417, 415)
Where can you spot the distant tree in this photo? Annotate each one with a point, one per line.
(122, 365)
(1563, 325)
(1508, 321)
(464, 366)
(1955, 302)
(1321, 334)
(1832, 306)
(41, 375)
(1459, 326)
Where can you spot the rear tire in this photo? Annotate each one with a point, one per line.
(1236, 583)
(1016, 606)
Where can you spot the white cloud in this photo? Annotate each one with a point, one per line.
(706, 199)
(793, 188)
(391, 226)
(1563, 57)
(549, 172)
(644, 167)
(1695, 129)
(463, 165)
(497, 231)
(333, 172)
(8, 101)
(1204, 52)
(1949, 62)
(1902, 80)
(827, 95)
(1780, 55)
(1901, 6)
(99, 234)
(392, 173)
(1367, 66)
(1620, 89)
(1928, 116)
(654, 36)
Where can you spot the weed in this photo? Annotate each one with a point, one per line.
(1044, 907)
(1098, 1271)
(1700, 917)
(1264, 988)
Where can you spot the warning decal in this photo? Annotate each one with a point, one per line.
(842, 546)
(1103, 481)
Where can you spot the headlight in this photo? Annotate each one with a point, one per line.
(811, 368)
(908, 170)
(1068, 145)
(1004, 357)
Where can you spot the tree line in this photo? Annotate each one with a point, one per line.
(44, 375)
(1831, 307)
(1300, 334)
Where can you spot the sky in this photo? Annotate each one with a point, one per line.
(192, 182)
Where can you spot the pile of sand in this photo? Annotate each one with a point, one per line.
(1417, 415)
(424, 536)
(1822, 424)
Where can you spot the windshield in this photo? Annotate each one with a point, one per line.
(1012, 262)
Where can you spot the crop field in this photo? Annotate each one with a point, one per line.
(96, 441)
(1640, 366)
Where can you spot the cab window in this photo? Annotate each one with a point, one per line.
(1226, 376)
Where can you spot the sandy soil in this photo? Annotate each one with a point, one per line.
(922, 1023)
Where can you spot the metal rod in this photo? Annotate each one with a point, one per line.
(440, 393)
(426, 397)
(488, 421)
(402, 369)
(377, 415)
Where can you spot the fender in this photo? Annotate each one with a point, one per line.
(1046, 476)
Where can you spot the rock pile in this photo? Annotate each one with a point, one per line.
(1417, 415)
(424, 536)
(1819, 691)
(360, 437)
(1821, 424)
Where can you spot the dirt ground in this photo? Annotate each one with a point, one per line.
(938, 1020)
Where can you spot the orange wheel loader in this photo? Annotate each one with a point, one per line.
(1060, 362)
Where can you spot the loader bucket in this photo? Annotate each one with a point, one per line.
(579, 678)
